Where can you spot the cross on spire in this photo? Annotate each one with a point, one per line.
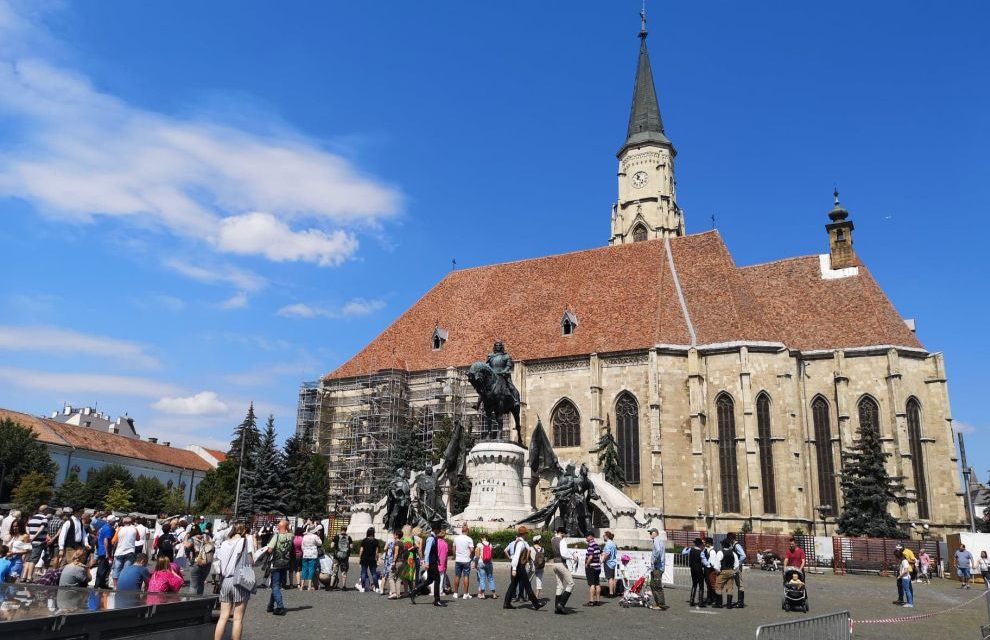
(642, 18)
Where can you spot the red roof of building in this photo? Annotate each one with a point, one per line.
(624, 298)
(67, 435)
(219, 455)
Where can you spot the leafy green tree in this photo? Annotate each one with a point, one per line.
(73, 493)
(215, 492)
(99, 481)
(174, 503)
(20, 454)
(868, 490)
(34, 490)
(608, 459)
(118, 497)
(149, 495)
(268, 477)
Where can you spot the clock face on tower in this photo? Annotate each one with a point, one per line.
(639, 179)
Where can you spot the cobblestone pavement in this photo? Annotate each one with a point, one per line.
(365, 615)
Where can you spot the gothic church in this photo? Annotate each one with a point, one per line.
(732, 391)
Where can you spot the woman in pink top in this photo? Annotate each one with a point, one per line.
(167, 577)
(443, 552)
(297, 556)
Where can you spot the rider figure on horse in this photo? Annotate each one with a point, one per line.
(501, 364)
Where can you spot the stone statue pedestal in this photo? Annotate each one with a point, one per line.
(498, 498)
(364, 515)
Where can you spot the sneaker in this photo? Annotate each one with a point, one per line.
(456, 596)
(909, 606)
(466, 596)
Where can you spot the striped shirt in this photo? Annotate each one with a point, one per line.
(594, 555)
(37, 524)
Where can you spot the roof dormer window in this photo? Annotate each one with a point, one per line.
(439, 338)
(568, 323)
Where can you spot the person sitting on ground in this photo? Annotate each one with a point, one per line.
(20, 551)
(135, 576)
(76, 573)
(167, 577)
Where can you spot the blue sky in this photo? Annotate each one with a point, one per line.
(203, 204)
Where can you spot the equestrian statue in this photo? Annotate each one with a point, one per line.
(497, 396)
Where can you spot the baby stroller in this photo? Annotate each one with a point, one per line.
(635, 596)
(795, 596)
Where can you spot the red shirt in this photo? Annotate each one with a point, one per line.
(794, 558)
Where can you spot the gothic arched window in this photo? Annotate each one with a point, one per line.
(917, 456)
(869, 414)
(823, 451)
(766, 453)
(627, 420)
(639, 233)
(725, 411)
(566, 425)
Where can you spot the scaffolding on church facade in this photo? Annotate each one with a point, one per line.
(359, 420)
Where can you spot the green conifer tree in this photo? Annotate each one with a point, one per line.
(268, 477)
(246, 438)
(73, 493)
(294, 461)
(868, 490)
(608, 459)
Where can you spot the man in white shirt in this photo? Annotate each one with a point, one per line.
(5, 525)
(521, 553)
(125, 542)
(143, 544)
(71, 535)
(463, 551)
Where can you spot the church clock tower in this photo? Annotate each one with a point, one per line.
(647, 206)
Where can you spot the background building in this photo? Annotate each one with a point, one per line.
(732, 391)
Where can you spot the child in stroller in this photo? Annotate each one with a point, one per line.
(768, 560)
(633, 595)
(795, 594)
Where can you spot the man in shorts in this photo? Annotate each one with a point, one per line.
(463, 551)
(610, 559)
(592, 571)
(964, 566)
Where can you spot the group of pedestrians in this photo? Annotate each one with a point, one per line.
(716, 573)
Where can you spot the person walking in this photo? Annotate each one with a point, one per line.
(657, 566)
(539, 565)
(740, 555)
(233, 556)
(279, 548)
(925, 561)
(484, 555)
(408, 559)
(310, 558)
(201, 551)
(983, 566)
(104, 552)
(443, 552)
(297, 540)
(592, 571)
(463, 554)
(727, 564)
(561, 573)
(696, 563)
(431, 562)
(37, 528)
(904, 575)
(518, 565)
(610, 560)
(964, 566)
(369, 563)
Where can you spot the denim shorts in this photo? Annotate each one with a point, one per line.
(462, 569)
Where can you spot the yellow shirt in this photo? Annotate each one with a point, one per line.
(908, 555)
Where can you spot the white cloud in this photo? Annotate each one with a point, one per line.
(263, 234)
(202, 404)
(218, 274)
(236, 301)
(81, 154)
(963, 428)
(62, 342)
(85, 383)
(358, 307)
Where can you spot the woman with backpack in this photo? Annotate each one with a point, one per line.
(200, 549)
(234, 557)
(483, 554)
(310, 559)
(539, 563)
(279, 547)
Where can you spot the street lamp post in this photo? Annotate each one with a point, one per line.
(823, 511)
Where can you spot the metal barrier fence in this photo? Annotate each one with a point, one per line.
(834, 626)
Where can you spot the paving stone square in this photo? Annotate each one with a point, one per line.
(364, 615)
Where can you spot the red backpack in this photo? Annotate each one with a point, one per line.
(486, 552)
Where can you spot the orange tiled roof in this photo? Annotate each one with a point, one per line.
(624, 298)
(67, 435)
(219, 455)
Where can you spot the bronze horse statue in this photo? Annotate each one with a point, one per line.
(494, 396)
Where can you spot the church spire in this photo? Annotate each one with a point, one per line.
(645, 124)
